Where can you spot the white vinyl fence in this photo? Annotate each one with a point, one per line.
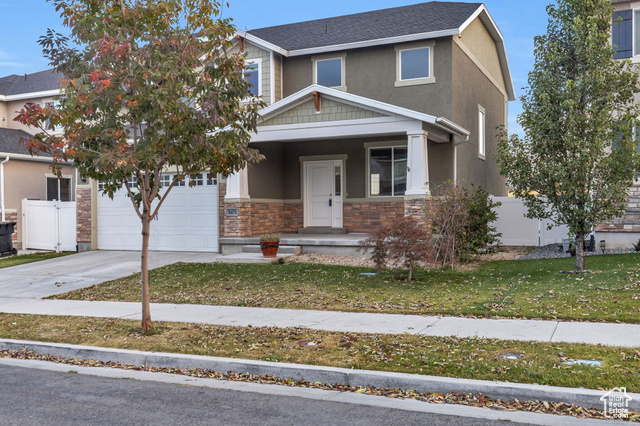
(518, 230)
(49, 225)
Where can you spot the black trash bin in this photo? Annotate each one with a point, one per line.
(6, 240)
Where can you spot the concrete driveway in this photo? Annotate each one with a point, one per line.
(63, 274)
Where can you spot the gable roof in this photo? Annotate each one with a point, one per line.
(441, 123)
(431, 17)
(43, 81)
(11, 142)
(416, 22)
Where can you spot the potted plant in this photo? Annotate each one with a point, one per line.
(269, 244)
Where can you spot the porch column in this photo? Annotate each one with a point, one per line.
(238, 186)
(417, 193)
(236, 215)
(417, 166)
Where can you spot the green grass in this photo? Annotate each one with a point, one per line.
(21, 259)
(517, 289)
(450, 357)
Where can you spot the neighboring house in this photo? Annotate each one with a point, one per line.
(368, 114)
(625, 230)
(26, 176)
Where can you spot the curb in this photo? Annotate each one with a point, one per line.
(587, 398)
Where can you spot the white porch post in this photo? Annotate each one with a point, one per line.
(417, 165)
(238, 186)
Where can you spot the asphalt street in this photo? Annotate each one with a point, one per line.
(36, 397)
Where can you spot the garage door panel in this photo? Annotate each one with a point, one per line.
(187, 221)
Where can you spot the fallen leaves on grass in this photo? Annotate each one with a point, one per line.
(468, 399)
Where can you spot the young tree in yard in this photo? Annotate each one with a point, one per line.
(147, 86)
(578, 103)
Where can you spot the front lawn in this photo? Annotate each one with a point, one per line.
(518, 289)
(542, 363)
(21, 259)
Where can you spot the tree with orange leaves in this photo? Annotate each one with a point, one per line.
(147, 85)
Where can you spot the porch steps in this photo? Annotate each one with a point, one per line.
(322, 230)
(253, 254)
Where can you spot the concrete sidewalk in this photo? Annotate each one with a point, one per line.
(626, 335)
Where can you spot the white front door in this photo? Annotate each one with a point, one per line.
(323, 193)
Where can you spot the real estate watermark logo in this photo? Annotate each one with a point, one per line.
(616, 403)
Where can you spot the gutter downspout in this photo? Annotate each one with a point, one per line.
(2, 187)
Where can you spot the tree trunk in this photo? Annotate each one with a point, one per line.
(580, 252)
(147, 325)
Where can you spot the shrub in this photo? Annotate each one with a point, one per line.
(461, 221)
(405, 240)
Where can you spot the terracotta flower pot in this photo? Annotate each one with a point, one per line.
(269, 248)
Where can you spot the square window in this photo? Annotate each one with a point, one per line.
(58, 189)
(414, 63)
(198, 180)
(329, 72)
(165, 180)
(387, 171)
(212, 180)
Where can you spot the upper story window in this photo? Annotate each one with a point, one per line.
(414, 64)
(329, 71)
(625, 33)
(482, 130)
(253, 74)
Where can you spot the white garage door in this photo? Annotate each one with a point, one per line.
(187, 220)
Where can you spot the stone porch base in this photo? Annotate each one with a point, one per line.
(340, 245)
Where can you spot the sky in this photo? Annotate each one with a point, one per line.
(24, 21)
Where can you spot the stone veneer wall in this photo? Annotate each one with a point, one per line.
(83, 215)
(365, 216)
(12, 217)
(630, 220)
(266, 218)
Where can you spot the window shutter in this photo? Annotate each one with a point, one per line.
(622, 33)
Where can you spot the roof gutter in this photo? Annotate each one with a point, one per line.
(454, 129)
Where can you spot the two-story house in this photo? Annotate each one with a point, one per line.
(625, 35)
(27, 176)
(367, 115)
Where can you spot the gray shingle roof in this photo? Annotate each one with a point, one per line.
(398, 21)
(29, 83)
(11, 142)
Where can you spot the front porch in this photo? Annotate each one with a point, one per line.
(336, 244)
(338, 162)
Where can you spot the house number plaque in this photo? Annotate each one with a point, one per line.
(232, 212)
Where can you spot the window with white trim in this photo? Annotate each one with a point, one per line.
(414, 64)
(253, 74)
(58, 189)
(330, 71)
(481, 132)
(387, 171)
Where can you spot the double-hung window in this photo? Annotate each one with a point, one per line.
(414, 64)
(330, 71)
(387, 171)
